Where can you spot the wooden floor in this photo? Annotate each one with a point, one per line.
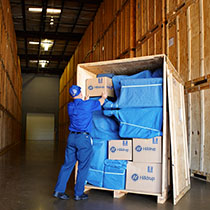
(28, 174)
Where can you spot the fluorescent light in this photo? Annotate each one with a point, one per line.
(38, 9)
(33, 61)
(32, 42)
(53, 11)
(49, 10)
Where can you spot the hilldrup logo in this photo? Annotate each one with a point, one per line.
(113, 149)
(135, 177)
(138, 148)
(90, 87)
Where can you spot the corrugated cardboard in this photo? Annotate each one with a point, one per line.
(144, 177)
(120, 149)
(96, 86)
(147, 150)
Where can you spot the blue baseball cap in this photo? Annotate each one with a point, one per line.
(74, 90)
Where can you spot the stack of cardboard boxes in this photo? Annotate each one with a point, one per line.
(144, 162)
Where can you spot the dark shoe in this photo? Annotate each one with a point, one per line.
(60, 195)
(81, 197)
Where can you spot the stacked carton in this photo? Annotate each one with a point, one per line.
(144, 173)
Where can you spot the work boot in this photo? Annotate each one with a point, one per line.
(81, 197)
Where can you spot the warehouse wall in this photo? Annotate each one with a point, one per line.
(40, 95)
(10, 81)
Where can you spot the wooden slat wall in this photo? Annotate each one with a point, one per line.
(10, 81)
(150, 27)
(192, 58)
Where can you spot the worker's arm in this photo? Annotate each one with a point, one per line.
(86, 97)
(102, 99)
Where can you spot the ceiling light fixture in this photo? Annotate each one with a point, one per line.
(53, 11)
(46, 44)
(43, 63)
(35, 9)
(49, 10)
(52, 20)
(33, 42)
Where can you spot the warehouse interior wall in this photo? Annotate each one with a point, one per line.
(40, 95)
(40, 126)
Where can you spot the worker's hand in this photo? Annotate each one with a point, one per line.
(86, 97)
(104, 95)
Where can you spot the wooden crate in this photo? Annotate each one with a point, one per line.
(174, 92)
(199, 103)
(185, 44)
(152, 43)
(150, 27)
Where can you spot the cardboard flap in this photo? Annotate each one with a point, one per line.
(178, 131)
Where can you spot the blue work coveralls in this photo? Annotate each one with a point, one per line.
(79, 144)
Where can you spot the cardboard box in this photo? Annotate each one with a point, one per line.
(96, 86)
(144, 177)
(120, 149)
(147, 150)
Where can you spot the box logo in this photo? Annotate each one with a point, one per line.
(113, 149)
(125, 143)
(100, 80)
(155, 140)
(138, 148)
(90, 87)
(150, 169)
(135, 177)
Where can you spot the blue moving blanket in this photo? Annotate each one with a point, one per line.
(96, 171)
(117, 79)
(104, 127)
(115, 174)
(138, 93)
(138, 122)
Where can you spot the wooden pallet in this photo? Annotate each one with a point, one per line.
(200, 175)
(120, 193)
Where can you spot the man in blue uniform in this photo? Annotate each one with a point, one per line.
(79, 143)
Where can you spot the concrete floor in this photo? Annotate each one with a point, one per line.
(28, 174)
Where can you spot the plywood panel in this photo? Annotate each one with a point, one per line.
(195, 41)
(172, 41)
(138, 20)
(183, 47)
(195, 130)
(171, 5)
(206, 8)
(180, 167)
(206, 124)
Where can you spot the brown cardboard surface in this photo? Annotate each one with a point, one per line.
(147, 150)
(144, 177)
(96, 86)
(120, 149)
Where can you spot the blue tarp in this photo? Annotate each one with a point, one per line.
(115, 174)
(138, 93)
(96, 171)
(138, 122)
(117, 79)
(104, 127)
